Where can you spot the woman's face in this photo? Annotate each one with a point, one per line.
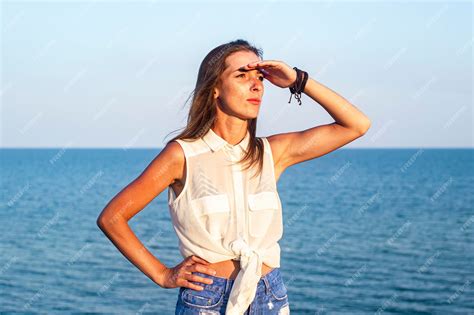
(236, 86)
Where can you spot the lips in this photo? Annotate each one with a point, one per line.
(255, 101)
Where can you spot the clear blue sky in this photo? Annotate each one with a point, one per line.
(117, 73)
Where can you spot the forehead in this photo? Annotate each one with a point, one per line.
(238, 59)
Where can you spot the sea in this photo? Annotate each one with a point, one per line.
(366, 231)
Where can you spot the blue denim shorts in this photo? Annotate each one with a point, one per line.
(271, 296)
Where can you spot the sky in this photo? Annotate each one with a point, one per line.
(117, 74)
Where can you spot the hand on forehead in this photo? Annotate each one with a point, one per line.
(245, 68)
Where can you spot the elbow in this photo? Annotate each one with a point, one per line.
(110, 223)
(100, 223)
(364, 127)
(103, 223)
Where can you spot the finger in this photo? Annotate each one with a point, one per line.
(258, 64)
(265, 72)
(253, 63)
(249, 66)
(262, 62)
(189, 261)
(200, 260)
(191, 285)
(203, 269)
(198, 278)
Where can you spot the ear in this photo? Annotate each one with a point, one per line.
(216, 93)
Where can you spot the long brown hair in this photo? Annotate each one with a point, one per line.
(202, 112)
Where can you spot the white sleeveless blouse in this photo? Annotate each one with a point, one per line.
(223, 213)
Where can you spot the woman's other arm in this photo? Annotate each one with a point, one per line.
(165, 168)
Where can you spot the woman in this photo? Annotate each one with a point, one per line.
(221, 181)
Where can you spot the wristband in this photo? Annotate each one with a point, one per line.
(298, 86)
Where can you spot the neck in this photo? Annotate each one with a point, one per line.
(232, 134)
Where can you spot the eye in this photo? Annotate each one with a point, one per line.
(261, 78)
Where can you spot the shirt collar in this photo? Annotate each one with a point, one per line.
(215, 142)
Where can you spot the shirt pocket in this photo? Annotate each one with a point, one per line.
(213, 213)
(263, 207)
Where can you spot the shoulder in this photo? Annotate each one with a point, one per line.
(173, 159)
(174, 149)
(177, 151)
(165, 168)
(278, 144)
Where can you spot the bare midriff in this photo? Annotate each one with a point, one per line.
(230, 268)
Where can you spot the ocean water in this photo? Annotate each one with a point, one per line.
(384, 231)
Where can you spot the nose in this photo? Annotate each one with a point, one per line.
(257, 85)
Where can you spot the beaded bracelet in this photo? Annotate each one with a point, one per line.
(298, 86)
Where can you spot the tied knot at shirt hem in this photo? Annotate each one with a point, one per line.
(245, 284)
(241, 249)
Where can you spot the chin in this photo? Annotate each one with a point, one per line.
(251, 114)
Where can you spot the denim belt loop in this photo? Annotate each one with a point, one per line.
(226, 284)
(267, 284)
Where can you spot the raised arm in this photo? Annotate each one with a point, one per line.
(295, 147)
